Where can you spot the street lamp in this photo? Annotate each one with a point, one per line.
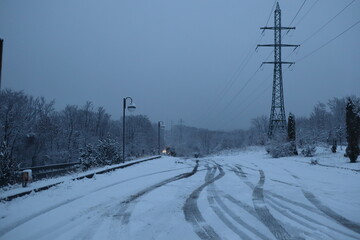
(131, 107)
(160, 125)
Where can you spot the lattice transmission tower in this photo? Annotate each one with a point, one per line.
(277, 114)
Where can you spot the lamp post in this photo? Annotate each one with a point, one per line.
(1, 51)
(160, 125)
(131, 107)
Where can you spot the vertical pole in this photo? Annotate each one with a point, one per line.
(158, 138)
(1, 53)
(123, 148)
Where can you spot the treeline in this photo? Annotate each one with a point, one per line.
(191, 141)
(326, 124)
(33, 133)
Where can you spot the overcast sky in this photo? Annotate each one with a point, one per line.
(178, 59)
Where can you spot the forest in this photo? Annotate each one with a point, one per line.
(34, 133)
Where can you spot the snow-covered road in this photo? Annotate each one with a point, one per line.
(246, 195)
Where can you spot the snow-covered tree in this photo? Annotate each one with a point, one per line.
(292, 134)
(8, 166)
(278, 145)
(105, 152)
(258, 130)
(352, 130)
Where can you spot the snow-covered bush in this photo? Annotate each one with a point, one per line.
(309, 150)
(8, 166)
(104, 153)
(314, 162)
(88, 157)
(278, 146)
(279, 149)
(107, 151)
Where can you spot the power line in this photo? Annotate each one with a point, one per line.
(323, 26)
(312, 6)
(250, 54)
(256, 98)
(328, 42)
(241, 67)
(238, 71)
(228, 85)
(327, 23)
(241, 89)
(302, 5)
(271, 11)
(253, 100)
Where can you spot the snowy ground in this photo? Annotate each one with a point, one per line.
(238, 195)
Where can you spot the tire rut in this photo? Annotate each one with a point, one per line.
(40, 213)
(329, 212)
(285, 210)
(213, 197)
(192, 212)
(272, 196)
(298, 204)
(355, 227)
(219, 213)
(264, 214)
(124, 214)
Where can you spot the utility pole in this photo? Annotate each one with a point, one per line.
(277, 114)
(171, 130)
(1, 53)
(181, 131)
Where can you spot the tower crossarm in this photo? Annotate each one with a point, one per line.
(278, 45)
(277, 28)
(291, 63)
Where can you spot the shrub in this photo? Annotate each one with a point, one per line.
(309, 150)
(8, 166)
(104, 153)
(279, 146)
(279, 149)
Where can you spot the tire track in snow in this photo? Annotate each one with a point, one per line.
(285, 210)
(264, 214)
(61, 204)
(192, 212)
(213, 197)
(58, 228)
(286, 213)
(329, 212)
(272, 196)
(219, 213)
(122, 216)
(298, 204)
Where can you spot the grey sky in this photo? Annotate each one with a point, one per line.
(175, 57)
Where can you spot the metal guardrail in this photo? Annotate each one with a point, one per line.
(90, 175)
(51, 166)
(40, 172)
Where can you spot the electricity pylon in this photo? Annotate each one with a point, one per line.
(277, 114)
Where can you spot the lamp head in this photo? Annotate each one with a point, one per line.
(161, 124)
(131, 107)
